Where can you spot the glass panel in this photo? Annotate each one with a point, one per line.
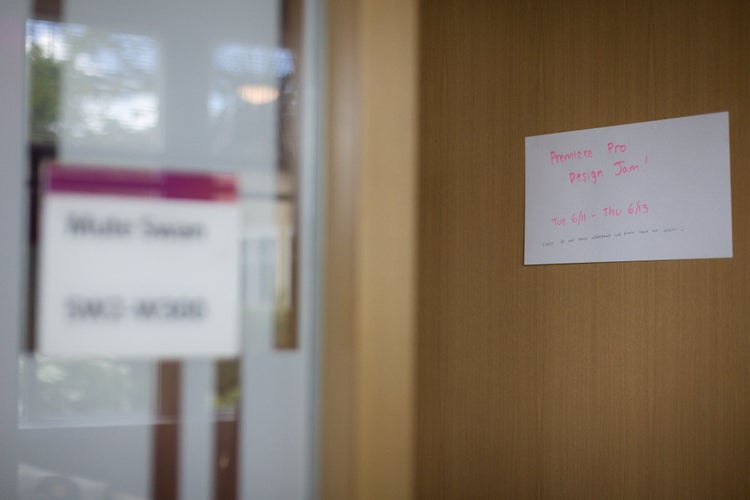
(185, 87)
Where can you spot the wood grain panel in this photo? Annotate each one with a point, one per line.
(368, 366)
(618, 380)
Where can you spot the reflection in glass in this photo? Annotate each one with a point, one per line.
(53, 389)
(243, 100)
(110, 83)
(206, 93)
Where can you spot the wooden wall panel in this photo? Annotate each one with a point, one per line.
(368, 370)
(617, 380)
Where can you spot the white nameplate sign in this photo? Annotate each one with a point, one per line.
(138, 264)
(646, 191)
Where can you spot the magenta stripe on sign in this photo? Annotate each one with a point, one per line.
(140, 183)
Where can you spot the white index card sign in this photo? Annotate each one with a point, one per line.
(655, 190)
(138, 264)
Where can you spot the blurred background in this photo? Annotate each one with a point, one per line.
(185, 87)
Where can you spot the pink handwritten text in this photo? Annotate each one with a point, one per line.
(622, 168)
(556, 157)
(576, 218)
(616, 148)
(593, 176)
(619, 167)
(636, 208)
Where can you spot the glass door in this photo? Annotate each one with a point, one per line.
(167, 345)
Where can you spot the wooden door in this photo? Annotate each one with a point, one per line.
(616, 380)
